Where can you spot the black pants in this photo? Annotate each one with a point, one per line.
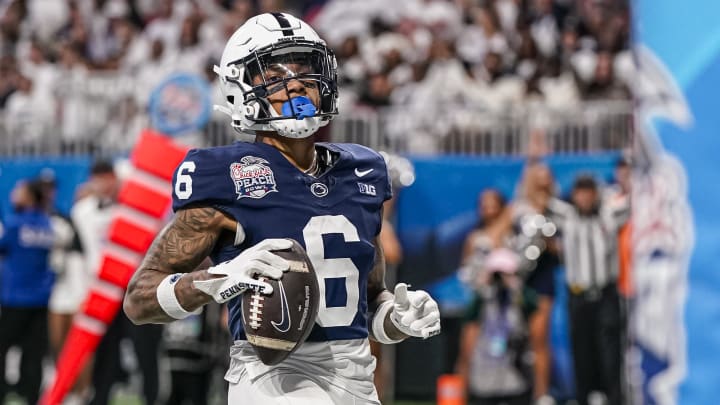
(189, 388)
(28, 329)
(108, 370)
(595, 333)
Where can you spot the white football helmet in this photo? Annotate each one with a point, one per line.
(274, 49)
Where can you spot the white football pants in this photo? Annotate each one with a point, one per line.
(286, 387)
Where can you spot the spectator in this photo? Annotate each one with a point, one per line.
(156, 68)
(190, 55)
(164, 26)
(406, 52)
(482, 36)
(71, 281)
(8, 79)
(378, 90)
(29, 110)
(490, 233)
(621, 190)
(91, 215)
(73, 69)
(37, 66)
(25, 284)
(590, 227)
(544, 27)
(528, 58)
(603, 85)
(493, 356)
(536, 189)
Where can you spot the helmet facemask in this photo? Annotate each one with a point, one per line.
(268, 71)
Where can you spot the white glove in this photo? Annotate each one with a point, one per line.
(415, 313)
(239, 271)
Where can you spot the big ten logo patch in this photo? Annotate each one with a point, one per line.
(253, 177)
(368, 189)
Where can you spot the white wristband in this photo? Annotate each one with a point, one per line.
(378, 324)
(168, 301)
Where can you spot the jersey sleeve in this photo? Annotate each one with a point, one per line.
(202, 179)
(387, 183)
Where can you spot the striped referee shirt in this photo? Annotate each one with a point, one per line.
(590, 241)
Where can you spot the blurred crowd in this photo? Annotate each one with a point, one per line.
(511, 261)
(86, 68)
(490, 54)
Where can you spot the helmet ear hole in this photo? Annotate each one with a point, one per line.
(231, 99)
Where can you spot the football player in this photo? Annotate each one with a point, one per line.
(238, 203)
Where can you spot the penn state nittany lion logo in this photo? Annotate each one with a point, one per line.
(252, 177)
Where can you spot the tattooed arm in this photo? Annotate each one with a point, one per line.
(179, 248)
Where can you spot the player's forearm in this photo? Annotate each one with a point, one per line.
(141, 303)
(180, 247)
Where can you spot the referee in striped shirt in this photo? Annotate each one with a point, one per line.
(589, 231)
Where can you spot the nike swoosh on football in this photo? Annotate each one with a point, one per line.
(362, 173)
(284, 324)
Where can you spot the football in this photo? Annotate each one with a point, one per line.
(278, 323)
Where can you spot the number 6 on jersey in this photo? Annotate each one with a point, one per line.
(183, 184)
(337, 268)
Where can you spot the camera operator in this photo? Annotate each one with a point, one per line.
(494, 349)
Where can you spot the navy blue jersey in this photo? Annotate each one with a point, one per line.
(26, 278)
(335, 216)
